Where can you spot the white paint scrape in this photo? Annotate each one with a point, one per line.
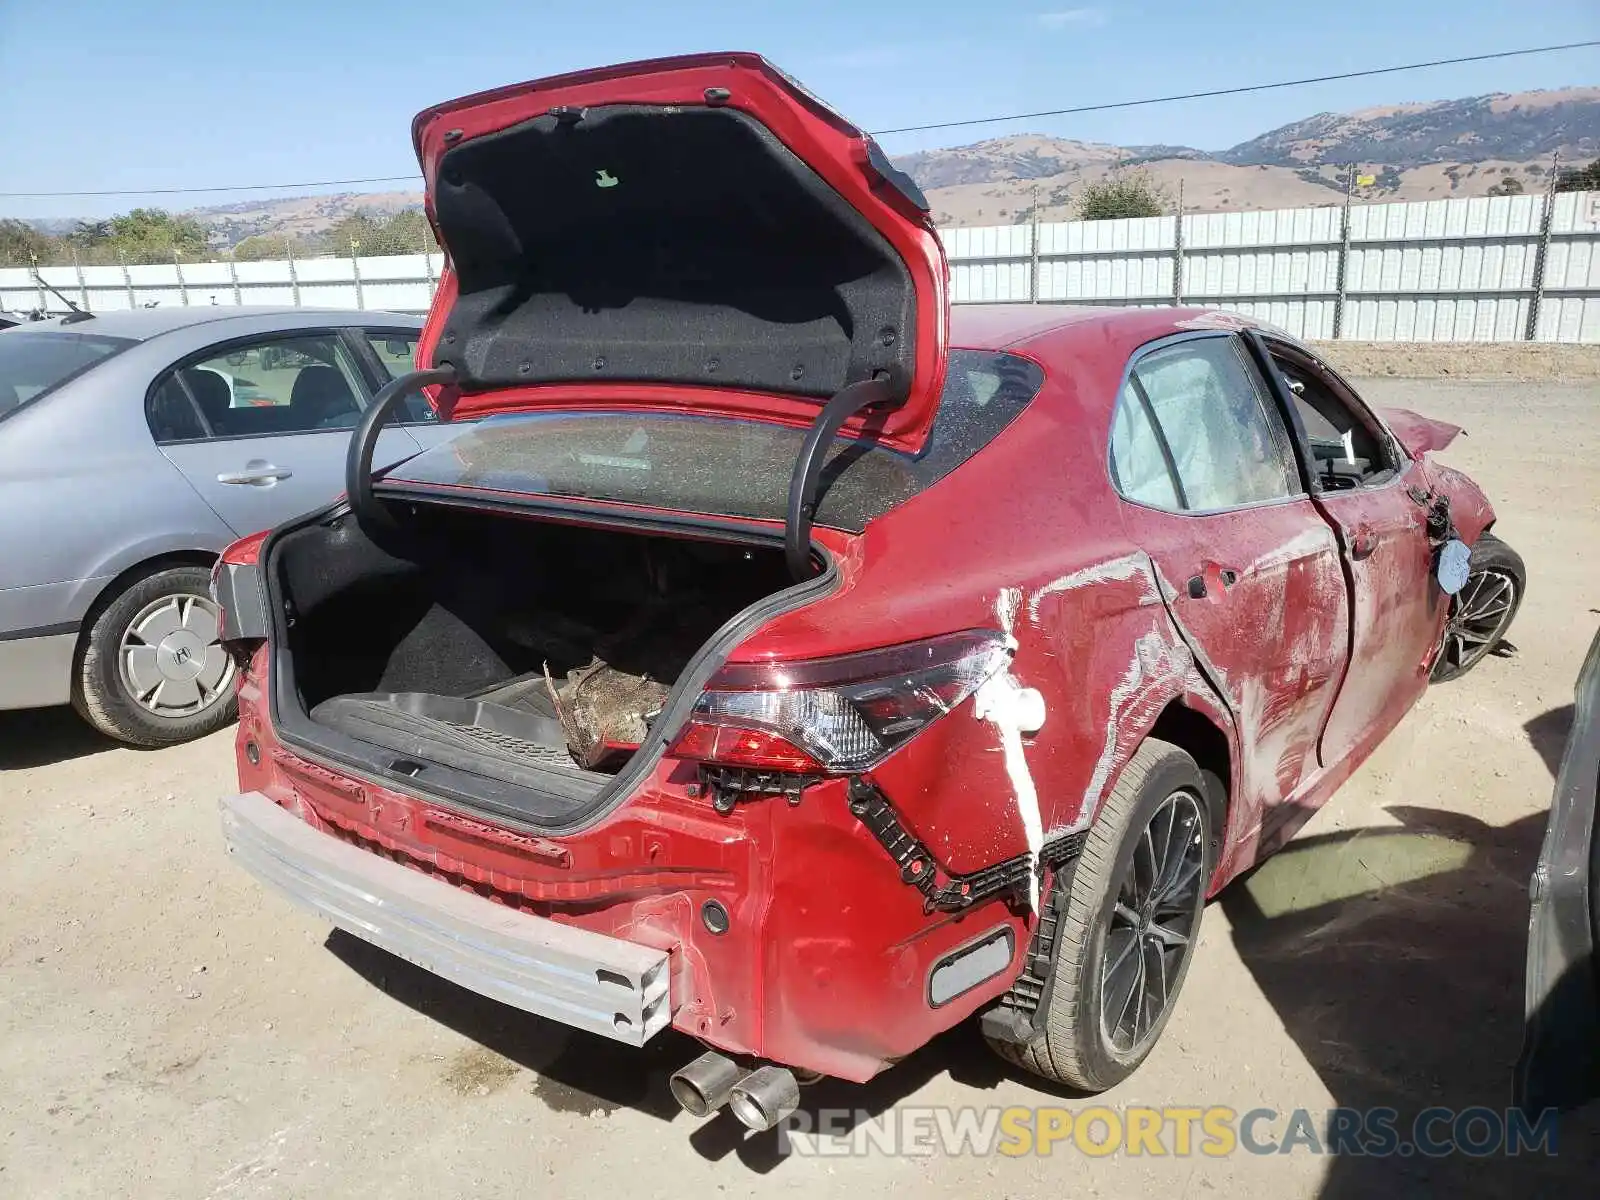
(1128, 567)
(1015, 710)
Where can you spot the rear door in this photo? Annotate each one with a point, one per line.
(1361, 480)
(391, 353)
(1213, 494)
(260, 426)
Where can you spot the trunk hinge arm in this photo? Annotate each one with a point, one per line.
(808, 468)
(358, 459)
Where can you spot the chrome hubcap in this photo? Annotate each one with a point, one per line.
(1479, 616)
(172, 663)
(1152, 924)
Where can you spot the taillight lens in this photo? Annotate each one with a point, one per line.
(246, 552)
(836, 715)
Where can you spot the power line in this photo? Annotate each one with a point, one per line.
(1239, 91)
(234, 187)
(1025, 116)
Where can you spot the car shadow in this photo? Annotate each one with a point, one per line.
(38, 737)
(583, 1073)
(1394, 958)
(1548, 733)
(576, 1071)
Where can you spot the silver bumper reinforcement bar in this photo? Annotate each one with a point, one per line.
(587, 980)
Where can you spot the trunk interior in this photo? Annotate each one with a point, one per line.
(501, 645)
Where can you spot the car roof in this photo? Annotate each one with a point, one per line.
(142, 324)
(1093, 327)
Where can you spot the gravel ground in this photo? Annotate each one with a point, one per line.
(1545, 362)
(168, 1028)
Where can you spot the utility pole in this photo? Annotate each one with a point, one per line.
(1033, 250)
(427, 259)
(355, 270)
(1177, 249)
(83, 288)
(1542, 252)
(127, 277)
(1342, 267)
(294, 278)
(38, 281)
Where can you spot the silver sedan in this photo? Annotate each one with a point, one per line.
(134, 446)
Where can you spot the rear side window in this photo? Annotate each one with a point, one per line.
(305, 383)
(396, 352)
(35, 363)
(724, 466)
(1198, 414)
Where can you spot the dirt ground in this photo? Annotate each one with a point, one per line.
(1481, 361)
(168, 1028)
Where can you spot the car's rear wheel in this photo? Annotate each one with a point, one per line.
(1483, 610)
(1129, 924)
(152, 671)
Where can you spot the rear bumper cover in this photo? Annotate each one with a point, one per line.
(583, 979)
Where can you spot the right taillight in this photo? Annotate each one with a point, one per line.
(836, 715)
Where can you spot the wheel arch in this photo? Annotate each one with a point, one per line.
(1207, 743)
(125, 579)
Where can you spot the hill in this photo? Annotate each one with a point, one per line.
(1417, 151)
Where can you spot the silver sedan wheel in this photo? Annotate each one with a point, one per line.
(171, 660)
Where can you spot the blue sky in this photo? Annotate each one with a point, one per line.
(97, 94)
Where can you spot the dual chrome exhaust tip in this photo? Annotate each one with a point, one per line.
(759, 1097)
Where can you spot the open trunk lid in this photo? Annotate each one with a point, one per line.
(688, 233)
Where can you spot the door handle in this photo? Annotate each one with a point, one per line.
(1362, 543)
(256, 475)
(1197, 586)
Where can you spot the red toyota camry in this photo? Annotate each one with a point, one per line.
(781, 657)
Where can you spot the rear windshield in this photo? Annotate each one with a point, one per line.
(725, 466)
(35, 362)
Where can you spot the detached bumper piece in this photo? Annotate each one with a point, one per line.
(583, 979)
(1015, 1016)
(942, 892)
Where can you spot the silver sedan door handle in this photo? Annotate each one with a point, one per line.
(256, 474)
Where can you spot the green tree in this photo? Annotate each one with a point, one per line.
(21, 243)
(1122, 194)
(1509, 186)
(375, 233)
(261, 246)
(1580, 179)
(145, 235)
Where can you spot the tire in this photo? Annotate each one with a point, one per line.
(1492, 562)
(154, 632)
(1075, 1047)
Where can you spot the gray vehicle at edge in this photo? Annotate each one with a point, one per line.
(1560, 1062)
(122, 481)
